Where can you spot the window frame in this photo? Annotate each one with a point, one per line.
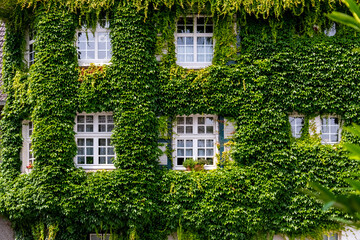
(315, 125)
(339, 129)
(102, 235)
(26, 150)
(30, 39)
(195, 137)
(296, 115)
(87, 32)
(195, 35)
(95, 135)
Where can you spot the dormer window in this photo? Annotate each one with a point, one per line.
(94, 47)
(194, 42)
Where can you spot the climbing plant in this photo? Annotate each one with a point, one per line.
(271, 59)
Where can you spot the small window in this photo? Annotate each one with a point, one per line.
(100, 236)
(297, 124)
(31, 49)
(330, 130)
(194, 42)
(94, 47)
(331, 31)
(196, 138)
(27, 153)
(331, 236)
(93, 133)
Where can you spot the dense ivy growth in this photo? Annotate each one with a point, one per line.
(277, 69)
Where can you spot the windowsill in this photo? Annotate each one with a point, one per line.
(83, 63)
(182, 168)
(194, 65)
(96, 167)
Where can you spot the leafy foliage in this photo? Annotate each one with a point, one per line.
(276, 73)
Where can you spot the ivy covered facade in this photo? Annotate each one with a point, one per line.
(96, 151)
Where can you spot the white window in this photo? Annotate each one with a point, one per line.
(296, 123)
(330, 129)
(93, 133)
(31, 50)
(331, 236)
(194, 42)
(195, 137)
(99, 236)
(27, 155)
(94, 47)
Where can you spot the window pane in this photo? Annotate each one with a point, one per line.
(181, 29)
(89, 142)
(334, 138)
(89, 160)
(189, 129)
(334, 121)
(110, 127)
(209, 152)
(102, 151)
(325, 129)
(102, 46)
(110, 160)
(209, 129)
(210, 161)
(180, 129)
(180, 161)
(89, 119)
(200, 29)
(101, 54)
(89, 128)
(180, 58)
(189, 152)
(80, 128)
(181, 41)
(110, 119)
(81, 160)
(189, 50)
(102, 160)
(189, 143)
(81, 142)
(201, 152)
(102, 142)
(209, 121)
(209, 143)
(201, 58)
(180, 152)
(89, 151)
(325, 137)
(180, 120)
(181, 49)
(80, 119)
(334, 129)
(208, 41)
(189, 41)
(102, 128)
(102, 119)
(180, 143)
(81, 151)
(201, 129)
(209, 29)
(201, 143)
(90, 55)
(110, 151)
(200, 40)
(299, 121)
(189, 58)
